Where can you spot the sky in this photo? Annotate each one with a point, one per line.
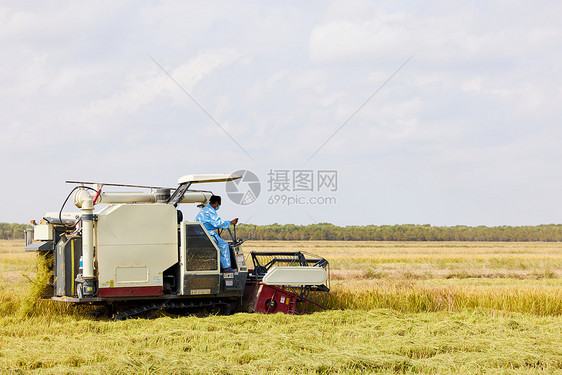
(440, 112)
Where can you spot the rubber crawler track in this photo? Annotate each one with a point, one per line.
(139, 309)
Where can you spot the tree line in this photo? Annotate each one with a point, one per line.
(12, 231)
(403, 232)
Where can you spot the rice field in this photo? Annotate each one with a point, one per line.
(439, 276)
(395, 307)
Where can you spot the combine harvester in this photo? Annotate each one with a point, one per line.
(137, 254)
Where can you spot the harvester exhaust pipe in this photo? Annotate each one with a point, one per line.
(89, 283)
(160, 196)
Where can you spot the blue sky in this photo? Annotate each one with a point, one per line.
(467, 132)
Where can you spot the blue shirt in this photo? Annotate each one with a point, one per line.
(210, 219)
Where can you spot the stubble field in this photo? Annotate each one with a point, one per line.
(395, 307)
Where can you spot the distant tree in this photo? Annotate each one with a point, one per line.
(405, 232)
(12, 231)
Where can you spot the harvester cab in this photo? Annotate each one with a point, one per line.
(133, 252)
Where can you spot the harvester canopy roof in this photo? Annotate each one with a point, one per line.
(200, 178)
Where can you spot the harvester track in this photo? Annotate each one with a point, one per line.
(171, 304)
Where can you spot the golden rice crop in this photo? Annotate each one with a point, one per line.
(413, 308)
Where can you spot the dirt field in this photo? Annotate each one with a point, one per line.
(396, 307)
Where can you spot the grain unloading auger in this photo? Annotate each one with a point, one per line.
(137, 254)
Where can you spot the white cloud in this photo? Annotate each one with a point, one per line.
(145, 86)
(476, 110)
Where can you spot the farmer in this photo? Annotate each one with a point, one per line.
(211, 221)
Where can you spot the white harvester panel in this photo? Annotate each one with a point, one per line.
(295, 276)
(135, 243)
(43, 232)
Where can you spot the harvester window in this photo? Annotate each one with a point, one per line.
(201, 253)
